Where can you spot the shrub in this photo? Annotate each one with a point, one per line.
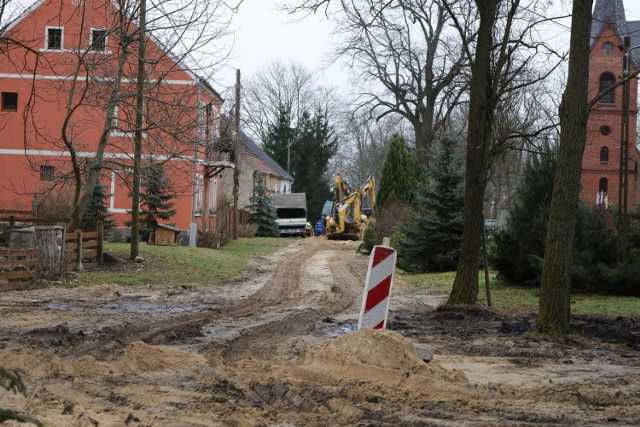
(519, 247)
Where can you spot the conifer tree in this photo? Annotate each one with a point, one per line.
(11, 380)
(304, 150)
(314, 146)
(280, 139)
(155, 199)
(400, 175)
(432, 237)
(519, 246)
(97, 209)
(263, 214)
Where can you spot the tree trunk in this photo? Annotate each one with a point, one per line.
(81, 202)
(137, 153)
(51, 257)
(481, 105)
(555, 286)
(425, 133)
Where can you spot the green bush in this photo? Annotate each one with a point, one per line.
(518, 252)
(432, 236)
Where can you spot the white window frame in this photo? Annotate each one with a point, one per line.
(199, 195)
(106, 40)
(118, 132)
(112, 197)
(46, 38)
(213, 195)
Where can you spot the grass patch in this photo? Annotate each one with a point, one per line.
(517, 298)
(181, 265)
(435, 282)
(612, 306)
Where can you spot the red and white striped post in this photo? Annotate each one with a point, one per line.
(377, 288)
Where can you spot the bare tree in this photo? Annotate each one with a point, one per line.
(282, 87)
(524, 123)
(406, 59)
(364, 146)
(503, 53)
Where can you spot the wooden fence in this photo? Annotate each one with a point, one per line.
(18, 264)
(83, 250)
(54, 255)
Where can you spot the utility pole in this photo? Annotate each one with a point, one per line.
(623, 197)
(236, 158)
(137, 153)
(193, 226)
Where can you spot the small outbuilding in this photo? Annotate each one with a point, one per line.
(164, 235)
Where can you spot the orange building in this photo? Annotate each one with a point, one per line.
(69, 93)
(601, 164)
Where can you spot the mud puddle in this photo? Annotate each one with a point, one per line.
(135, 306)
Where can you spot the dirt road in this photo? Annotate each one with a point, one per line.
(275, 347)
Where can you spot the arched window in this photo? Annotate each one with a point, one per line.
(603, 186)
(606, 81)
(604, 155)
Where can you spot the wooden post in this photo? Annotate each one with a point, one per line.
(79, 253)
(487, 282)
(12, 222)
(100, 248)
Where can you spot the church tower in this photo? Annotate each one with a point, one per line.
(601, 164)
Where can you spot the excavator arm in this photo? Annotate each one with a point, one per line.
(347, 220)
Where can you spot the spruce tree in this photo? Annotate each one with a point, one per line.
(432, 237)
(156, 199)
(97, 210)
(519, 246)
(314, 147)
(263, 214)
(400, 175)
(281, 138)
(11, 380)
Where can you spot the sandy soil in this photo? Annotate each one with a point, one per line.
(275, 347)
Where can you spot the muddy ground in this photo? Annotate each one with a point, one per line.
(275, 347)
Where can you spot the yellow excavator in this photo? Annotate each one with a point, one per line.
(350, 212)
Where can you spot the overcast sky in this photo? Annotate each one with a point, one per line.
(265, 34)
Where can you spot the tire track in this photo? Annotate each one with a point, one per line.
(284, 281)
(265, 340)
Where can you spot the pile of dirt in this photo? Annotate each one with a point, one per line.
(378, 356)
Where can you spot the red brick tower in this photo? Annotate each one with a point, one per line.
(601, 162)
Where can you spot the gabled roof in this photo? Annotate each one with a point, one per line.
(263, 162)
(612, 12)
(196, 79)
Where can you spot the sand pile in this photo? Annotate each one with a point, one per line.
(381, 356)
(141, 357)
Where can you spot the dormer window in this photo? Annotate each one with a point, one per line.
(98, 40)
(54, 38)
